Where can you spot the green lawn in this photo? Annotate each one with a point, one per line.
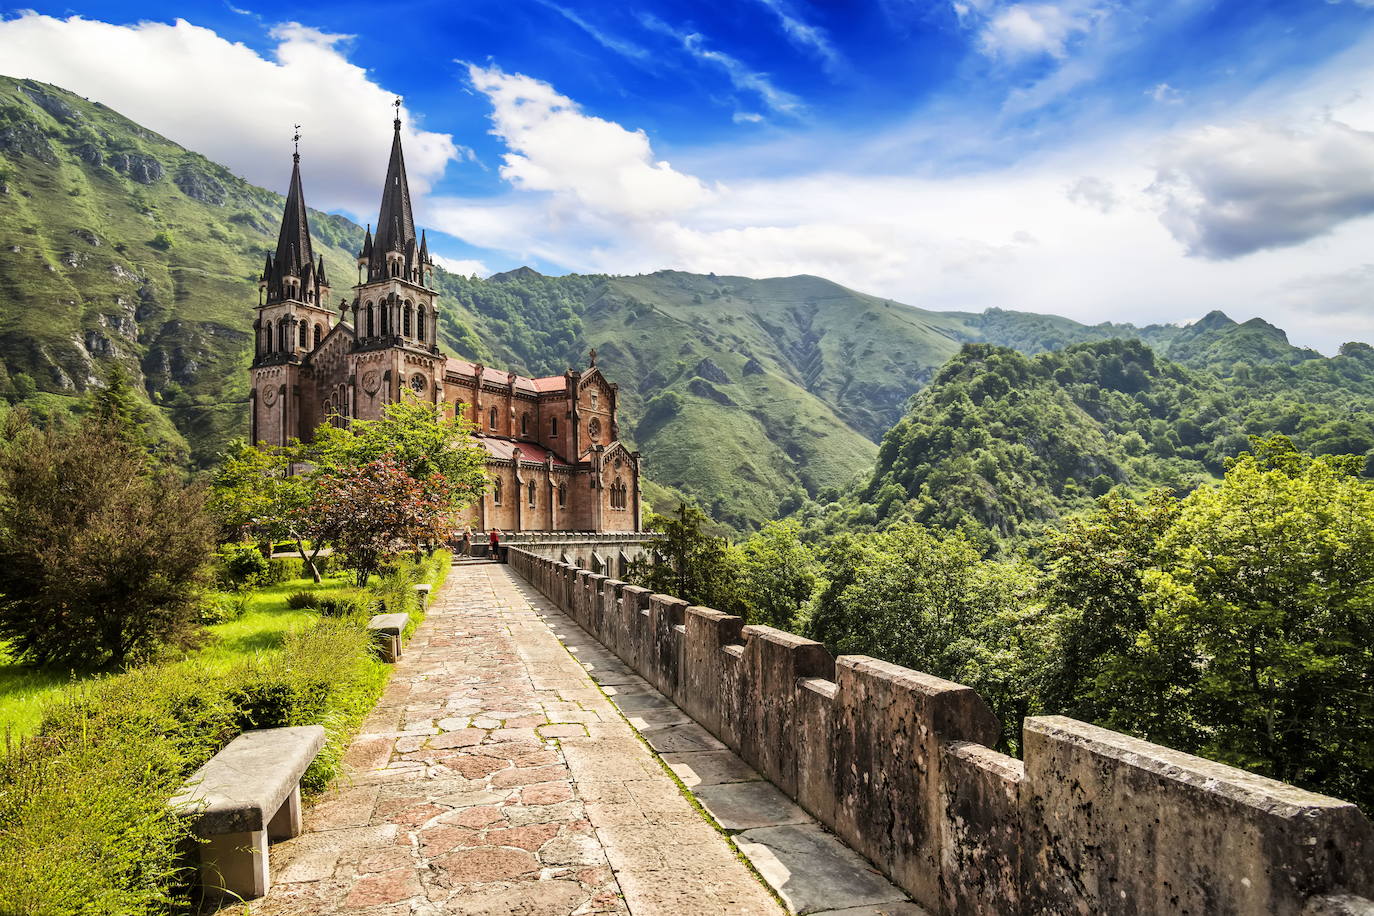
(24, 692)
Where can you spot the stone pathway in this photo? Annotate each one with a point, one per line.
(495, 778)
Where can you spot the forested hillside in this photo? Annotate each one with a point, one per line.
(755, 397)
(1001, 443)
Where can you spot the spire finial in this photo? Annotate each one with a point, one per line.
(397, 105)
(593, 356)
(297, 140)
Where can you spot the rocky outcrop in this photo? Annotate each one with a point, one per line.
(197, 185)
(139, 167)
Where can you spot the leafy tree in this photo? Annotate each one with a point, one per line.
(115, 405)
(255, 496)
(777, 575)
(1262, 622)
(375, 511)
(688, 563)
(419, 436)
(101, 559)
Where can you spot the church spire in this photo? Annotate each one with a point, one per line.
(395, 222)
(294, 251)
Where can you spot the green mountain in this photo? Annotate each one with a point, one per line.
(1003, 443)
(753, 396)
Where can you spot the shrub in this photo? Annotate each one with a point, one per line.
(298, 601)
(241, 566)
(350, 605)
(102, 557)
(223, 607)
(282, 569)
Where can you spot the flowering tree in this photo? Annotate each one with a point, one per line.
(373, 511)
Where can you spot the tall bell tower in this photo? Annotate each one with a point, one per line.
(292, 318)
(395, 310)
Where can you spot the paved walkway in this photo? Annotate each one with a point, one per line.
(495, 778)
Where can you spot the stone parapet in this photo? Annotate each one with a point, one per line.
(899, 764)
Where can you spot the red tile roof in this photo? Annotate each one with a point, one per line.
(504, 449)
(498, 377)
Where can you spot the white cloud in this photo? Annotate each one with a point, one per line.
(1025, 30)
(1236, 189)
(741, 77)
(463, 266)
(224, 100)
(1164, 93)
(804, 35)
(1093, 192)
(555, 147)
(608, 41)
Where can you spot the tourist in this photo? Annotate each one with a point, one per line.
(465, 543)
(495, 538)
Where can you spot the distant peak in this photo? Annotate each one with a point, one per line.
(520, 273)
(1214, 319)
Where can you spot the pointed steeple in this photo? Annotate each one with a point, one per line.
(395, 222)
(366, 253)
(294, 251)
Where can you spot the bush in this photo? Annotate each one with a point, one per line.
(350, 605)
(224, 607)
(283, 569)
(102, 556)
(299, 601)
(84, 825)
(241, 566)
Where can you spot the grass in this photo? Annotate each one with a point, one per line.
(25, 692)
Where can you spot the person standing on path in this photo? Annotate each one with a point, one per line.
(495, 538)
(465, 543)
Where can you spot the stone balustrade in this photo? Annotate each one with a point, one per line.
(899, 764)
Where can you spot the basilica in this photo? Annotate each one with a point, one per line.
(554, 455)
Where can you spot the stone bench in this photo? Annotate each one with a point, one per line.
(422, 594)
(386, 630)
(244, 796)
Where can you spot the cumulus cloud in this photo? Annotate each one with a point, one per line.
(1093, 192)
(1024, 30)
(224, 100)
(1229, 191)
(463, 266)
(555, 147)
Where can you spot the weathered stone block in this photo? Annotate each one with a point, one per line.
(1118, 825)
(889, 723)
(814, 720)
(663, 660)
(634, 600)
(775, 660)
(612, 620)
(707, 630)
(980, 860)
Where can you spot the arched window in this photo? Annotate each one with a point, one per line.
(305, 331)
(529, 491)
(524, 424)
(493, 418)
(420, 323)
(282, 331)
(562, 495)
(386, 315)
(553, 426)
(496, 492)
(319, 335)
(267, 337)
(459, 408)
(405, 319)
(371, 321)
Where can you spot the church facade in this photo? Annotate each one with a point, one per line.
(554, 454)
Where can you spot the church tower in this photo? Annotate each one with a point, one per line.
(395, 310)
(293, 317)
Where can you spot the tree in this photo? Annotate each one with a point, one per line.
(115, 405)
(102, 559)
(375, 511)
(1262, 622)
(688, 563)
(777, 573)
(256, 497)
(418, 436)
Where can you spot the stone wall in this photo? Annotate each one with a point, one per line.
(609, 553)
(897, 763)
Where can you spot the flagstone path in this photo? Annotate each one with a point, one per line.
(495, 778)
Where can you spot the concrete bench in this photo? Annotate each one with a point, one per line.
(244, 796)
(386, 629)
(422, 594)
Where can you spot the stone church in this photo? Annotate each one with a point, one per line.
(553, 450)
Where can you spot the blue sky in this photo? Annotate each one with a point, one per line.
(1102, 159)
